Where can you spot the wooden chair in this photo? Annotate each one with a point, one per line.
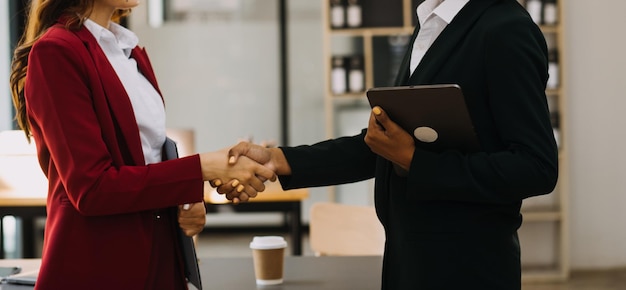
(345, 230)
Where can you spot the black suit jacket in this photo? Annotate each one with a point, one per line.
(452, 222)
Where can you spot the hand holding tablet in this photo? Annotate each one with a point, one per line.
(436, 115)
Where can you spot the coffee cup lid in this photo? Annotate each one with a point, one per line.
(268, 242)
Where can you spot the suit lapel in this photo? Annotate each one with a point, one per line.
(118, 100)
(447, 41)
(403, 73)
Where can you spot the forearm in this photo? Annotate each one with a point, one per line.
(331, 162)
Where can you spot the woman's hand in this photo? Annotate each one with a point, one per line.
(387, 139)
(246, 176)
(272, 158)
(191, 218)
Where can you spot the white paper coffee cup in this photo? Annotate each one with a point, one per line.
(269, 256)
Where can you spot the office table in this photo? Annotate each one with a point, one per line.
(273, 199)
(301, 273)
(29, 206)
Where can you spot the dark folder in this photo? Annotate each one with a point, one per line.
(436, 115)
(192, 272)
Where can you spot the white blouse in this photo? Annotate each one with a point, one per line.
(117, 44)
(433, 16)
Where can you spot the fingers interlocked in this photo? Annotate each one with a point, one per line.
(253, 164)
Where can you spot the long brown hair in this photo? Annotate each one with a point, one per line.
(42, 14)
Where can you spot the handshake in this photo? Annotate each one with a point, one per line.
(241, 171)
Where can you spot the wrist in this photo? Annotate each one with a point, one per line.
(410, 154)
(206, 162)
(407, 158)
(279, 161)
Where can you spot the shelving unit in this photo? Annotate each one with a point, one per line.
(364, 38)
(549, 215)
(381, 19)
(545, 231)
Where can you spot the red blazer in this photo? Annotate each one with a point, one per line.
(101, 195)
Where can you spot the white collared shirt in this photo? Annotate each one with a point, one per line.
(117, 44)
(433, 16)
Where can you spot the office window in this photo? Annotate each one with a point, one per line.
(5, 60)
(11, 27)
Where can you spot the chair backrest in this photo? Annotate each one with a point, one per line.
(345, 230)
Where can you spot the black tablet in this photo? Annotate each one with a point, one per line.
(188, 248)
(436, 115)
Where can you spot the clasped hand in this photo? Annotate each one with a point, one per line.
(245, 178)
(384, 137)
(238, 178)
(242, 153)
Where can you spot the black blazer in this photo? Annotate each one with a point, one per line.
(452, 222)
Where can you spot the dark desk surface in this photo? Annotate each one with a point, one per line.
(301, 273)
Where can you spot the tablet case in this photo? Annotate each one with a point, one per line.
(436, 115)
(188, 248)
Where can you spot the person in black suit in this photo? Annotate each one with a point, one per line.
(450, 218)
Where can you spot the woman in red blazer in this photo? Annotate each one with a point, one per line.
(111, 205)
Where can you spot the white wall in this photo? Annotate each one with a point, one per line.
(218, 77)
(596, 79)
(5, 65)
